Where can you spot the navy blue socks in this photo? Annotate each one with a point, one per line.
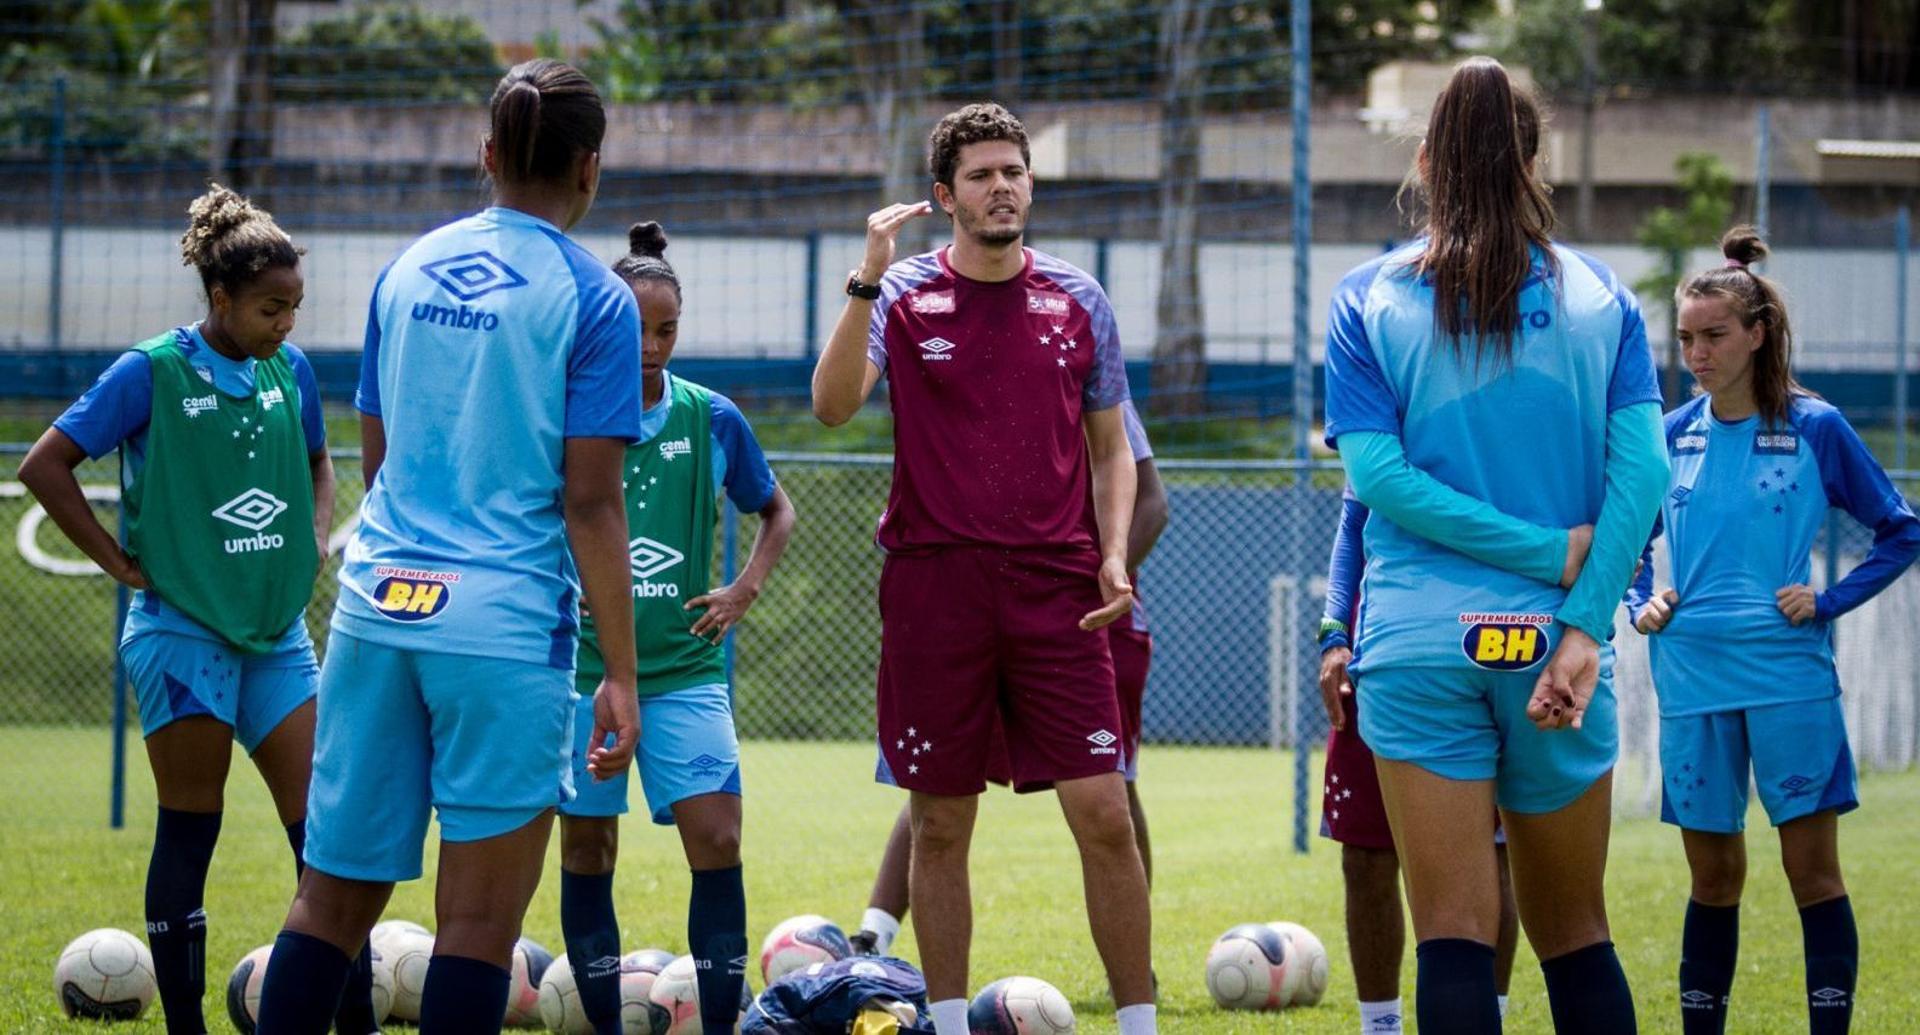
(1709, 951)
(1588, 992)
(592, 931)
(1833, 964)
(302, 991)
(1454, 992)
(176, 922)
(463, 996)
(717, 937)
(355, 1016)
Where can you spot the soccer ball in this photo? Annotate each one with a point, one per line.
(530, 963)
(411, 952)
(560, 1008)
(243, 989)
(1247, 969)
(799, 941)
(104, 975)
(385, 931)
(1020, 1006)
(639, 1014)
(382, 984)
(1306, 964)
(677, 991)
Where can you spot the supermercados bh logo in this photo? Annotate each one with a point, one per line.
(252, 510)
(1505, 642)
(678, 447)
(195, 405)
(413, 595)
(467, 277)
(648, 558)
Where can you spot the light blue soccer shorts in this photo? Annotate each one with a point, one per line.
(484, 742)
(687, 748)
(175, 676)
(1798, 754)
(1471, 724)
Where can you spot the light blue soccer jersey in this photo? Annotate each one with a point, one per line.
(1527, 437)
(490, 341)
(1744, 510)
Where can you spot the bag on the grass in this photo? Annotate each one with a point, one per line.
(861, 995)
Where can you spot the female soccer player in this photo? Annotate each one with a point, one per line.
(228, 495)
(1485, 365)
(499, 388)
(1742, 646)
(694, 445)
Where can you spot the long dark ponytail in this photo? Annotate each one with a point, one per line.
(544, 114)
(1486, 211)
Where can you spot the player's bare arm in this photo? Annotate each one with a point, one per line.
(373, 447)
(1150, 513)
(844, 377)
(320, 466)
(1113, 493)
(47, 472)
(596, 515)
(1335, 685)
(728, 604)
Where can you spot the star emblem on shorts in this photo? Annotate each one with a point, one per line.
(926, 745)
(912, 769)
(911, 732)
(1062, 361)
(1336, 813)
(1335, 777)
(899, 745)
(916, 752)
(1779, 472)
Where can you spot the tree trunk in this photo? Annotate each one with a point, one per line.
(225, 45)
(240, 35)
(1179, 350)
(890, 57)
(1006, 51)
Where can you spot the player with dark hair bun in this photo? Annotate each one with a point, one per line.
(499, 389)
(228, 494)
(1742, 645)
(694, 446)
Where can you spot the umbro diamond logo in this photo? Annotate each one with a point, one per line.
(252, 510)
(936, 348)
(648, 558)
(1828, 997)
(705, 761)
(467, 277)
(603, 966)
(1102, 738)
(1694, 999)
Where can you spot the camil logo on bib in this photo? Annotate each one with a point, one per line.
(647, 558)
(252, 510)
(678, 447)
(1505, 642)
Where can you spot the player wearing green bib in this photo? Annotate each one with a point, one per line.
(228, 497)
(693, 445)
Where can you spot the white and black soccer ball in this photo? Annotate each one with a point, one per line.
(677, 991)
(529, 964)
(560, 1008)
(104, 975)
(1247, 969)
(1306, 964)
(386, 930)
(799, 942)
(1020, 1006)
(382, 985)
(249, 976)
(639, 1014)
(411, 953)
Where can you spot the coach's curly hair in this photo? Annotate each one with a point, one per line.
(972, 124)
(646, 257)
(230, 241)
(1753, 299)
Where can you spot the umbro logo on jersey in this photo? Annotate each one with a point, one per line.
(195, 405)
(1103, 742)
(648, 558)
(252, 510)
(1679, 496)
(936, 348)
(678, 447)
(467, 277)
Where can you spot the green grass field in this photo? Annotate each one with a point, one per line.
(815, 824)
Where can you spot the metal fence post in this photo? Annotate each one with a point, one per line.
(729, 567)
(117, 802)
(810, 305)
(57, 209)
(1762, 168)
(1302, 325)
(1902, 241)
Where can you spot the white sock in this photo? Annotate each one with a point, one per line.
(1381, 1018)
(949, 1017)
(1503, 1008)
(882, 924)
(1137, 1019)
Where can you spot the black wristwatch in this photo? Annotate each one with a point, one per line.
(858, 289)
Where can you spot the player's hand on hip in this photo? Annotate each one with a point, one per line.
(1579, 542)
(616, 710)
(130, 574)
(725, 606)
(1115, 590)
(1335, 687)
(1657, 613)
(1565, 686)
(1798, 603)
(883, 228)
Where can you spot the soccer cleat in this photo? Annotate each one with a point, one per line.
(865, 943)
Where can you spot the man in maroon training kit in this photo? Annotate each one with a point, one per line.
(1006, 382)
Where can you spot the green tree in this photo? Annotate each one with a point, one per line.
(389, 51)
(1671, 234)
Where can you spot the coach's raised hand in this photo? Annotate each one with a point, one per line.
(845, 375)
(883, 233)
